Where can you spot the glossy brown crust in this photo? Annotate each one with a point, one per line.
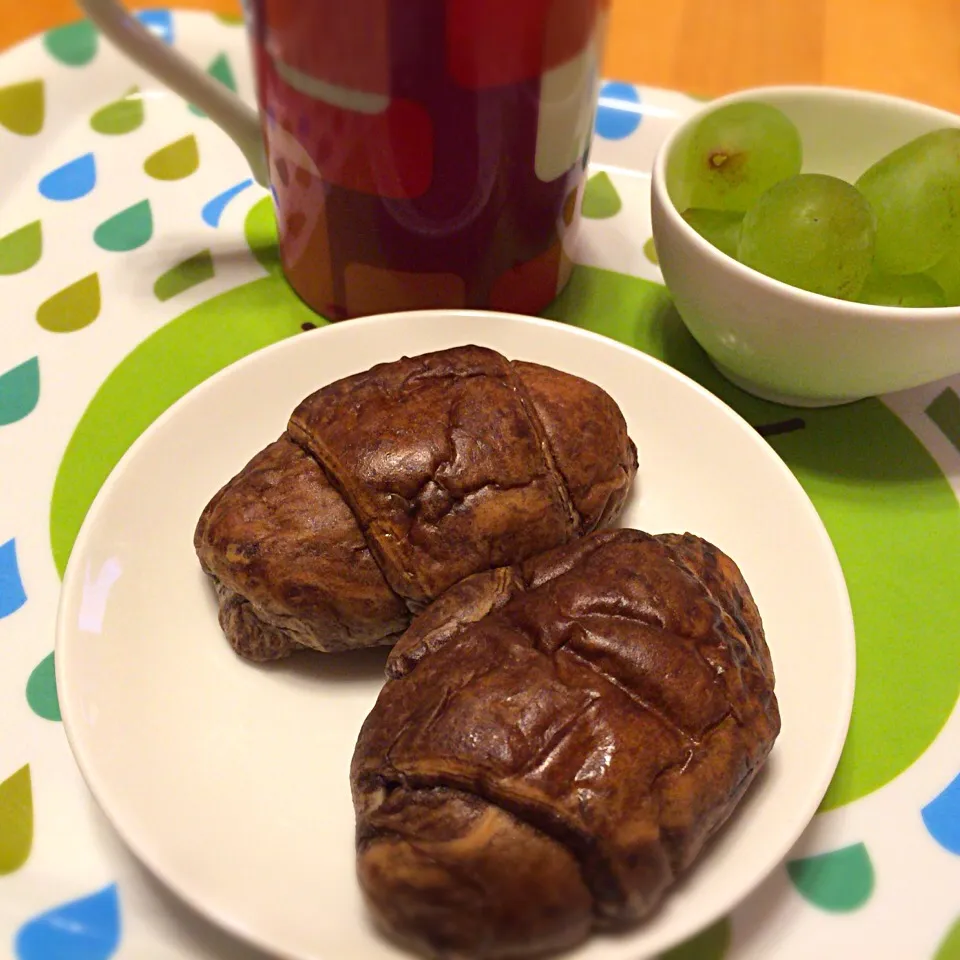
(453, 856)
(393, 484)
(582, 426)
(291, 567)
(443, 464)
(617, 700)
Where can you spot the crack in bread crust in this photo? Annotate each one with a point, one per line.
(471, 443)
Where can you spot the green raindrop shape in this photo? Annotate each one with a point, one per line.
(19, 391)
(16, 820)
(121, 116)
(74, 44)
(231, 19)
(709, 944)
(21, 249)
(949, 948)
(650, 252)
(126, 230)
(221, 70)
(174, 161)
(600, 198)
(73, 308)
(839, 881)
(22, 107)
(184, 275)
(42, 690)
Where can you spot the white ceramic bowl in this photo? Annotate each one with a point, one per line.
(782, 343)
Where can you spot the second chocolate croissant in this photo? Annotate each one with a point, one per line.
(556, 743)
(391, 485)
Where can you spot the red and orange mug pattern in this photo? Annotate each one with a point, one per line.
(427, 153)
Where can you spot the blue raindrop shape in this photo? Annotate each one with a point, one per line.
(71, 181)
(618, 111)
(941, 817)
(84, 929)
(213, 209)
(12, 594)
(159, 23)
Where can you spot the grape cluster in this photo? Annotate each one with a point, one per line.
(892, 239)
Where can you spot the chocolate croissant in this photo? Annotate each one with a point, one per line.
(556, 743)
(391, 485)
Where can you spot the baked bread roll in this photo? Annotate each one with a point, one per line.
(557, 741)
(391, 485)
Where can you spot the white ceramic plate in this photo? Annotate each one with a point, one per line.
(230, 781)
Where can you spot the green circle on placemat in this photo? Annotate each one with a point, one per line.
(870, 478)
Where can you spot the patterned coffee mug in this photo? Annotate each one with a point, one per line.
(421, 153)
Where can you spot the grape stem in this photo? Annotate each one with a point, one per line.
(781, 426)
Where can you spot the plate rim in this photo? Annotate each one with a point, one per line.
(73, 578)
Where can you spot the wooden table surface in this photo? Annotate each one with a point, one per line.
(908, 47)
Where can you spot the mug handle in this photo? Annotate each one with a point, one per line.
(225, 108)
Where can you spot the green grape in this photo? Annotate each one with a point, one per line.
(811, 231)
(915, 193)
(902, 290)
(946, 273)
(719, 227)
(733, 155)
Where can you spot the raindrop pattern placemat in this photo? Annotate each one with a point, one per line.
(137, 258)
